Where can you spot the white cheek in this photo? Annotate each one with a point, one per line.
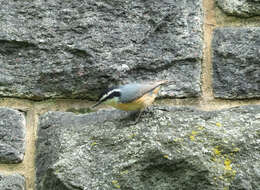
(112, 101)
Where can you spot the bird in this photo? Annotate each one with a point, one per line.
(132, 96)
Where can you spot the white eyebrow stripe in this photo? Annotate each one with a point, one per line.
(110, 92)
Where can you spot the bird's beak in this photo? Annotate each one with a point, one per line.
(95, 105)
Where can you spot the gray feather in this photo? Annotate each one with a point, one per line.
(131, 92)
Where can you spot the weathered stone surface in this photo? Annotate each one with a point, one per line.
(75, 49)
(241, 8)
(236, 66)
(12, 136)
(12, 182)
(170, 148)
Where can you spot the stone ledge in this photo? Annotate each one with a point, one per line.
(170, 148)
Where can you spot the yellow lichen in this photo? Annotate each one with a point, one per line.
(124, 172)
(236, 149)
(219, 158)
(218, 124)
(166, 156)
(93, 144)
(115, 183)
(132, 135)
(200, 127)
(229, 172)
(192, 137)
(227, 164)
(178, 140)
(217, 151)
(117, 186)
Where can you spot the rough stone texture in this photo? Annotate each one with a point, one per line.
(12, 136)
(75, 49)
(170, 148)
(236, 66)
(12, 182)
(241, 8)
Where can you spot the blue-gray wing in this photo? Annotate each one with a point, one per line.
(131, 92)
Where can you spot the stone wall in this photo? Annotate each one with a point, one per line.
(56, 57)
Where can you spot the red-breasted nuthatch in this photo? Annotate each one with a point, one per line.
(131, 97)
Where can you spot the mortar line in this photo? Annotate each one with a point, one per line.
(206, 74)
(29, 160)
(64, 105)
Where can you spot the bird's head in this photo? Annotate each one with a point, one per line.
(110, 97)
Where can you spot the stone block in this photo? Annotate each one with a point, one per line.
(236, 66)
(75, 49)
(240, 8)
(12, 182)
(12, 136)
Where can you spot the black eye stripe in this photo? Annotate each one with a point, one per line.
(112, 95)
(106, 92)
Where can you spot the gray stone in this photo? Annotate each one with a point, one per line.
(12, 136)
(75, 49)
(170, 148)
(241, 8)
(12, 182)
(236, 66)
